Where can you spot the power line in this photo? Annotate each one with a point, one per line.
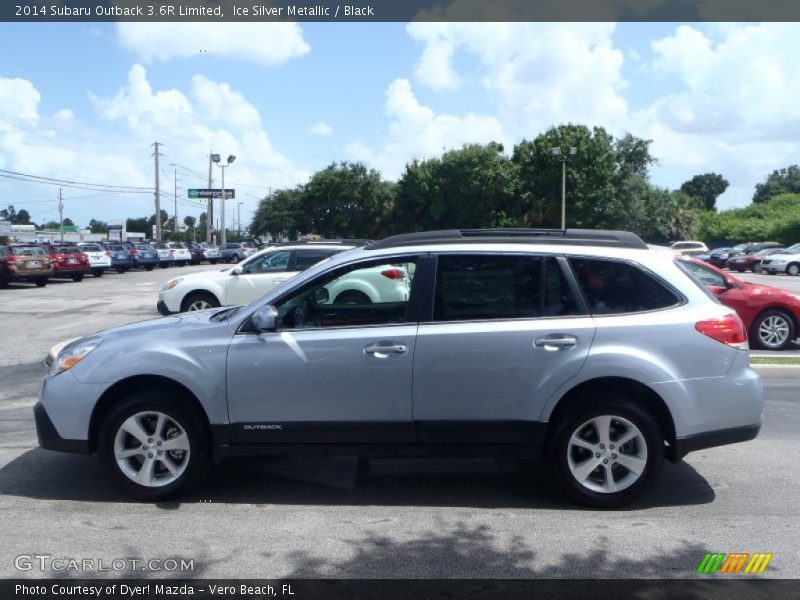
(79, 187)
(65, 181)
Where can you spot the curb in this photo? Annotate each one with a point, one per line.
(777, 371)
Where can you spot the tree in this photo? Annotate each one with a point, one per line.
(23, 217)
(9, 214)
(68, 222)
(780, 181)
(190, 223)
(707, 187)
(278, 215)
(474, 186)
(591, 177)
(140, 225)
(98, 226)
(345, 200)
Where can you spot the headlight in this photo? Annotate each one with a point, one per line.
(73, 354)
(171, 284)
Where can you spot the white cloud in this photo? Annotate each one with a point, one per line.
(321, 128)
(268, 44)
(19, 100)
(538, 74)
(188, 124)
(415, 131)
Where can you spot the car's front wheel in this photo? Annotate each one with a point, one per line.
(793, 270)
(607, 454)
(40, 282)
(773, 330)
(154, 447)
(199, 301)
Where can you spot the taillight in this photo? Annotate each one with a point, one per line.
(134, 251)
(108, 252)
(11, 259)
(394, 274)
(727, 330)
(172, 251)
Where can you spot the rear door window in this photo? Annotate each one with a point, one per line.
(308, 258)
(616, 287)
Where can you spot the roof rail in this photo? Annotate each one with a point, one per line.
(322, 242)
(575, 237)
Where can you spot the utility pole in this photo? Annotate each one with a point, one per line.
(239, 208)
(175, 214)
(158, 194)
(61, 214)
(210, 213)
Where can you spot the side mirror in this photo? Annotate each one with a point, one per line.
(321, 296)
(264, 319)
(237, 270)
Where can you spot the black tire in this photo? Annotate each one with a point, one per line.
(149, 268)
(352, 297)
(235, 258)
(121, 271)
(793, 269)
(206, 297)
(41, 282)
(777, 319)
(163, 265)
(97, 273)
(3, 282)
(213, 262)
(756, 268)
(77, 278)
(740, 270)
(179, 412)
(617, 406)
(181, 264)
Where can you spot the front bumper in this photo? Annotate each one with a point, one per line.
(162, 308)
(49, 438)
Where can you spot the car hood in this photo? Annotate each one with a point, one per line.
(782, 256)
(216, 274)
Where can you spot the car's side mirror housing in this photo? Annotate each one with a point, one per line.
(237, 270)
(322, 296)
(265, 318)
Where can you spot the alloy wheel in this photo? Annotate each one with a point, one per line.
(200, 305)
(607, 454)
(773, 331)
(151, 449)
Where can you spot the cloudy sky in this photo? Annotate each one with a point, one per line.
(84, 102)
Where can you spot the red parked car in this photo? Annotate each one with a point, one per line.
(752, 262)
(68, 261)
(771, 315)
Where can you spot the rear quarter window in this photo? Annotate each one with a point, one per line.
(617, 287)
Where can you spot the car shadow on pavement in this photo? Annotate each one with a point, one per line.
(484, 483)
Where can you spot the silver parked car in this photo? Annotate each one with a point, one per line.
(582, 347)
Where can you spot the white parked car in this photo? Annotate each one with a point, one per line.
(787, 262)
(689, 248)
(246, 281)
(99, 261)
(180, 254)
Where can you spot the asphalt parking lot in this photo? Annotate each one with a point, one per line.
(383, 518)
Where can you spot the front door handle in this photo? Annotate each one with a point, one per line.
(379, 350)
(556, 342)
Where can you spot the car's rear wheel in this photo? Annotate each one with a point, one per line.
(3, 282)
(163, 265)
(41, 282)
(352, 297)
(608, 453)
(773, 330)
(235, 258)
(213, 262)
(149, 268)
(793, 269)
(97, 273)
(155, 447)
(77, 278)
(757, 268)
(199, 301)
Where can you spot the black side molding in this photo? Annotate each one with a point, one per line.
(49, 438)
(711, 439)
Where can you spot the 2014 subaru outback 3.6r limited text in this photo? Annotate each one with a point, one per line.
(582, 347)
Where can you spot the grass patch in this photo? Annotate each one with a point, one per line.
(789, 360)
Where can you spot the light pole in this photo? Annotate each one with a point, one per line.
(239, 217)
(564, 159)
(216, 159)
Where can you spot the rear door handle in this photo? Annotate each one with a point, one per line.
(556, 342)
(379, 350)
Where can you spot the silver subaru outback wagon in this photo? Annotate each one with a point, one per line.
(581, 347)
